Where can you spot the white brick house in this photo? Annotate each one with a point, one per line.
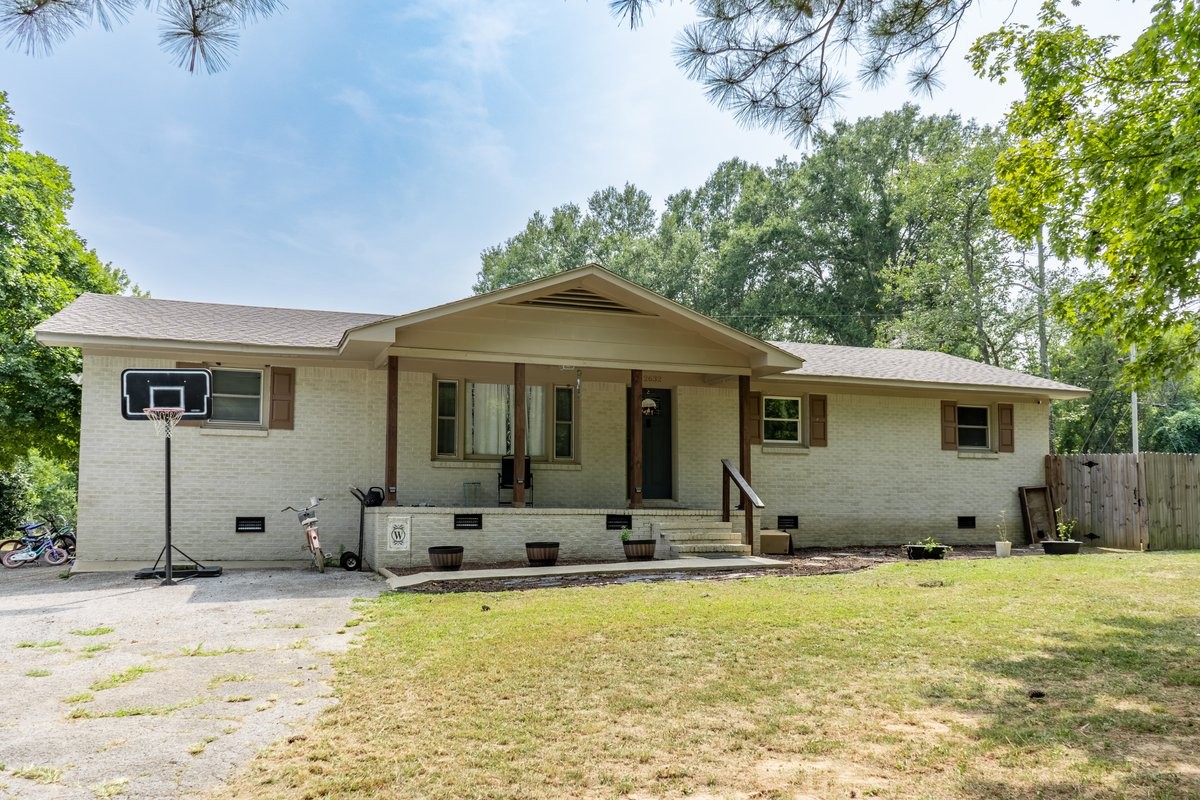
(863, 445)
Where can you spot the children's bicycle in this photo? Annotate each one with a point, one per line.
(59, 530)
(33, 548)
(308, 518)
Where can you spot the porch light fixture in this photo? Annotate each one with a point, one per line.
(649, 406)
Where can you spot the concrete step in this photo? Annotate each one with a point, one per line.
(713, 547)
(703, 536)
(693, 525)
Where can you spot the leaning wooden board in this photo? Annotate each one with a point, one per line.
(1037, 511)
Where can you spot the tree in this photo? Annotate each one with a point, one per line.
(966, 287)
(779, 63)
(44, 265)
(1107, 158)
(195, 32)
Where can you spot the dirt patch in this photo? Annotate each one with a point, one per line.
(807, 561)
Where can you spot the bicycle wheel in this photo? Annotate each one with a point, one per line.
(319, 558)
(65, 541)
(9, 544)
(55, 555)
(14, 558)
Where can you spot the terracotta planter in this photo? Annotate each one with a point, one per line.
(1054, 547)
(446, 557)
(541, 554)
(919, 552)
(639, 549)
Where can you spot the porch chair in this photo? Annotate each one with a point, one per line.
(505, 480)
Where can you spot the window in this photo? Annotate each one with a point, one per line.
(489, 419)
(447, 418)
(781, 420)
(972, 426)
(564, 422)
(237, 396)
(476, 419)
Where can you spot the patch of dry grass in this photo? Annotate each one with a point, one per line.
(877, 684)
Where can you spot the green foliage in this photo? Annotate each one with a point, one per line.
(1106, 157)
(44, 265)
(16, 499)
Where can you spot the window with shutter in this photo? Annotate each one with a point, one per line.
(282, 414)
(754, 418)
(949, 425)
(1006, 428)
(818, 426)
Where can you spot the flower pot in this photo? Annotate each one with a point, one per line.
(1055, 547)
(541, 554)
(1003, 549)
(639, 549)
(918, 552)
(446, 557)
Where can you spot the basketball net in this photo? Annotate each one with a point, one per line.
(164, 419)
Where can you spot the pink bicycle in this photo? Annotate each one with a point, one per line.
(308, 518)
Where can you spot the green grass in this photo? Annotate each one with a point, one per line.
(136, 711)
(39, 774)
(54, 643)
(199, 652)
(908, 681)
(37, 673)
(100, 631)
(232, 677)
(120, 678)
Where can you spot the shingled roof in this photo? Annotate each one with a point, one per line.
(911, 366)
(114, 316)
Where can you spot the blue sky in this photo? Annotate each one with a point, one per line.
(362, 161)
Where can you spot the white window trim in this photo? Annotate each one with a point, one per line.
(458, 418)
(553, 423)
(763, 418)
(235, 423)
(987, 428)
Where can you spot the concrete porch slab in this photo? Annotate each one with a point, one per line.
(398, 582)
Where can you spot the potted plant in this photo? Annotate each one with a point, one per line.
(541, 554)
(636, 549)
(927, 548)
(1003, 545)
(446, 557)
(1065, 543)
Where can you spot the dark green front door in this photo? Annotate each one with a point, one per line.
(656, 448)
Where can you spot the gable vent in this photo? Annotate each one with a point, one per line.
(580, 299)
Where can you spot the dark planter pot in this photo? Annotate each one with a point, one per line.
(541, 554)
(446, 557)
(639, 549)
(1054, 547)
(919, 552)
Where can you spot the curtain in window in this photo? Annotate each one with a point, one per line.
(490, 417)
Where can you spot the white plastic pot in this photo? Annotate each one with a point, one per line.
(1003, 549)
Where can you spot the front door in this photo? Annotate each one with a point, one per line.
(656, 448)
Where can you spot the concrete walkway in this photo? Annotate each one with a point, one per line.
(400, 582)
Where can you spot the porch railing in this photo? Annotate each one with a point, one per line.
(749, 498)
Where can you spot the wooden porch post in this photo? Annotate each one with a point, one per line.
(744, 453)
(518, 497)
(391, 432)
(635, 438)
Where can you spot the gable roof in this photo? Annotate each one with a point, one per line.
(106, 316)
(915, 368)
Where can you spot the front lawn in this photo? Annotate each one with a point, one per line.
(907, 681)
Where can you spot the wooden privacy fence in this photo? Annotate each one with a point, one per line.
(1146, 501)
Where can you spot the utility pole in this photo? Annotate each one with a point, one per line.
(1133, 401)
(1043, 354)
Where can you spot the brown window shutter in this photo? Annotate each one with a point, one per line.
(949, 425)
(283, 399)
(754, 417)
(189, 423)
(818, 425)
(1004, 412)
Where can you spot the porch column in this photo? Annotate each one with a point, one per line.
(518, 496)
(635, 438)
(392, 429)
(744, 432)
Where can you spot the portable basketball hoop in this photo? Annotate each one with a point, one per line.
(165, 397)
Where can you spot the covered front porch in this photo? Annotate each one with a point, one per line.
(400, 537)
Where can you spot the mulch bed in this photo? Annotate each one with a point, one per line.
(801, 563)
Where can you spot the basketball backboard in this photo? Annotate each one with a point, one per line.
(189, 389)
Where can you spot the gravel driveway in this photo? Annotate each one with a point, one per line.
(124, 688)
